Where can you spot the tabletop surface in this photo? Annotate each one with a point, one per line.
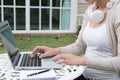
(6, 70)
(8, 73)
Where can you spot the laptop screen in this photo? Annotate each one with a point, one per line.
(8, 40)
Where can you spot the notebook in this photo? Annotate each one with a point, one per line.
(49, 75)
(21, 61)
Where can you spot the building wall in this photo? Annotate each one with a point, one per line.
(81, 9)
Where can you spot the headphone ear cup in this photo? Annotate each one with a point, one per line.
(97, 16)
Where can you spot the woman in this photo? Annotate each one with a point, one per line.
(99, 39)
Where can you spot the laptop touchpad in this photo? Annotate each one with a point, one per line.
(49, 63)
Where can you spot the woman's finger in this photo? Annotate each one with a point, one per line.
(60, 61)
(58, 57)
(35, 50)
(43, 55)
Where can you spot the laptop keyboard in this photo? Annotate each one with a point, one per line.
(27, 61)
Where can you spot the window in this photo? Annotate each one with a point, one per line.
(8, 2)
(8, 15)
(20, 2)
(20, 19)
(39, 15)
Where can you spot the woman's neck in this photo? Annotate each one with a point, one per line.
(101, 4)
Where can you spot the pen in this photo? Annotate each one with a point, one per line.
(38, 72)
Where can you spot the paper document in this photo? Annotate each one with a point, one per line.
(38, 75)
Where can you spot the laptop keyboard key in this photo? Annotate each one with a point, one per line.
(35, 63)
(39, 61)
(22, 62)
(27, 61)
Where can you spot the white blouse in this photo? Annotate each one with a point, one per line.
(98, 45)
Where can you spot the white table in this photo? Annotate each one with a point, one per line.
(8, 73)
(6, 70)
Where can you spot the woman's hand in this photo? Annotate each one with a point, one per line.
(70, 59)
(45, 51)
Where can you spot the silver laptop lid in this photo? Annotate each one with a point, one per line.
(8, 40)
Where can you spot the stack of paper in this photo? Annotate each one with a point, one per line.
(49, 75)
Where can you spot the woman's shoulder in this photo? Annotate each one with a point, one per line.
(116, 5)
(114, 10)
(114, 16)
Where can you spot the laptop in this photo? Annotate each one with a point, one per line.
(22, 60)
